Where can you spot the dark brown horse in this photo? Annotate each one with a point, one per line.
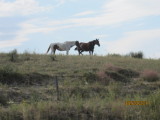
(88, 46)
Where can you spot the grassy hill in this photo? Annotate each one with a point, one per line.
(91, 88)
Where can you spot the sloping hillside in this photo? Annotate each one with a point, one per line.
(89, 87)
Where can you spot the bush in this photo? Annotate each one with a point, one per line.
(3, 100)
(103, 77)
(26, 55)
(115, 55)
(8, 75)
(13, 56)
(90, 77)
(53, 58)
(137, 55)
(150, 75)
(8, 69)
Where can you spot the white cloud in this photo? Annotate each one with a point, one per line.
(27, 28)
(20, 7)
(84, 13)
(26, 7)
(145, 40)
(14, 42)
(115, 12)
(61, 2)
(101, 36)
(124, 10)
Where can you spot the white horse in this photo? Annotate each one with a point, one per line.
(62, 46)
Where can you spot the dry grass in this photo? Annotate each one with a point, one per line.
(90, 87)
(150, 75)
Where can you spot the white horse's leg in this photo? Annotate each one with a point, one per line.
(52, 50)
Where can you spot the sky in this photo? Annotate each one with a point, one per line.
(122, 26)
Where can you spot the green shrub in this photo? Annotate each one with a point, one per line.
(8, 75)
(8, 69)
(137, 55)
(90, 77)
(26, 55)
(13, 55)
(115, 55)
(3, 100)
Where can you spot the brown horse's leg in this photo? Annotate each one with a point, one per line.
(92, 52)
(80, 52)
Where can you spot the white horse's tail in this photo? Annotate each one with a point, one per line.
(48, 49)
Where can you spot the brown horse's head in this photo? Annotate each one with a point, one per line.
(77, 44)
(96, 42)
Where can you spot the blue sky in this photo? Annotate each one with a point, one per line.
(122, 26)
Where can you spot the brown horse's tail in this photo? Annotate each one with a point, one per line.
(48, 49)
